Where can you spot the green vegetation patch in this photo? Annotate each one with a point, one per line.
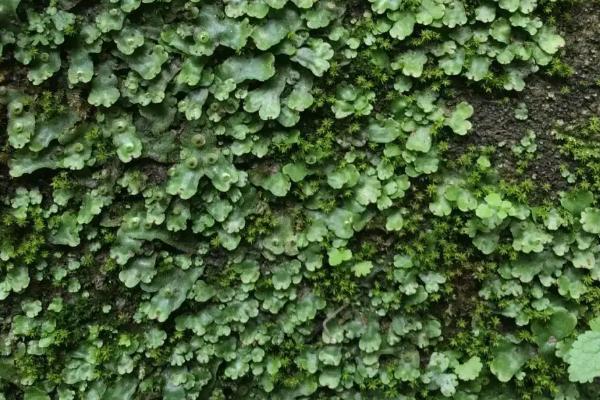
(255, 199)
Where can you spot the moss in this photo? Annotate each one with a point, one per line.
(581, 144)
(50, 104)
(559, 68)
(424, 37)
(259, 225)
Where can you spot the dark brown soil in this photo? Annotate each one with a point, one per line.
(552, 102)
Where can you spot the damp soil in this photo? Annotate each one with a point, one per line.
(553, 103)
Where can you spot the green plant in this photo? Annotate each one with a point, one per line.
(257, 199)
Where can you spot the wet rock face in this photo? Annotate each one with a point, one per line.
(552, 102)
(583, 33)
